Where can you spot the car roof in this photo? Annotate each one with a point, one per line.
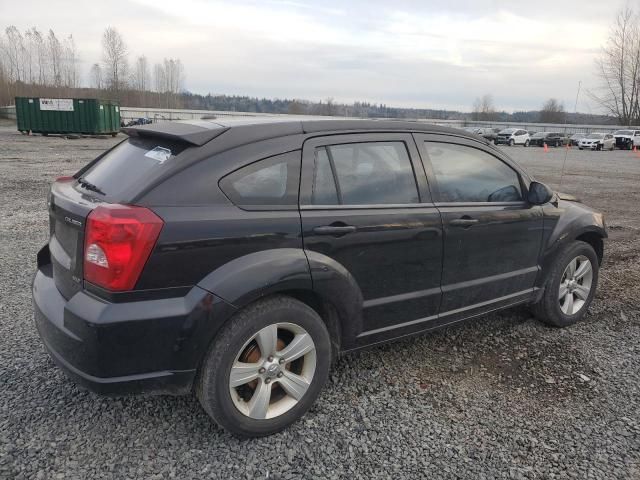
(250, 129)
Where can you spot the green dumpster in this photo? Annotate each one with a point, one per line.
(88, 116)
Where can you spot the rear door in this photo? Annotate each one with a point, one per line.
(365, 204)
(492, 237)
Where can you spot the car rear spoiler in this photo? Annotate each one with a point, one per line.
(196, 132)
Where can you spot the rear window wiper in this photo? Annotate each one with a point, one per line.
(89, 186)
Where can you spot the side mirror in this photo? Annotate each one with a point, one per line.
(539, 193)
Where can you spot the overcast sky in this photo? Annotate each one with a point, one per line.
(435, 54)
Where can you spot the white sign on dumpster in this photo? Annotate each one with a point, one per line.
(58, 104)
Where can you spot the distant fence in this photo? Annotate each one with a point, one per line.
(164, 114)
(8, 112)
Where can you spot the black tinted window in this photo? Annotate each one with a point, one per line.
(130, 163)
(466, 174)
(270, 182)
(367, 174)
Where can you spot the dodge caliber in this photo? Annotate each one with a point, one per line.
(238, 259)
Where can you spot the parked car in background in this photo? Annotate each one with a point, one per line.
(489, 133)
(627, 139)
(597, 141)
(513, 136)
(237, 259)
(551, 139)
(575, 138)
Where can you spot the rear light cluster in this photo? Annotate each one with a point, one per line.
(118, 242)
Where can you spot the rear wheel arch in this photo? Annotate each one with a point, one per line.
(310, 277)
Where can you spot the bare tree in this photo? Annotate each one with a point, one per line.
(95, 75)
(40, 54)
(141, 74)
(552, 112)
(14, 49)
(55, 58)
(115, 58)
(619, 69)
(483, 108)
(70, 60)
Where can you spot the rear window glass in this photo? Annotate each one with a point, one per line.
(130, 163)
(272, 182)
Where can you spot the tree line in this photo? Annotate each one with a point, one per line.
(36, 63)
(552, 111)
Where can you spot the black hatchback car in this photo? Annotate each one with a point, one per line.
(237, 259)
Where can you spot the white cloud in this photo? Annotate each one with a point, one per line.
(435, 54)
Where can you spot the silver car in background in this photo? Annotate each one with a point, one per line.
(597, 141)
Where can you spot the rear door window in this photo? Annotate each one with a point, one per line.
(130, 163)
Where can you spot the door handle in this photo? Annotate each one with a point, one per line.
(464, 222)
(334, 230)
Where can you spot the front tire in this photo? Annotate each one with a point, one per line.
(265, 368)
(512, 142)
(570, 286)
(526, 143)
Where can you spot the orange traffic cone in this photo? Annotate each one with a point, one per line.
(546, 148)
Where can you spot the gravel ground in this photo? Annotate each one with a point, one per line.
(499, 397)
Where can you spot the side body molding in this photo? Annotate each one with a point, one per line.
(336, 286)
(246, 279)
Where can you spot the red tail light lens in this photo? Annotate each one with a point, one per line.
(118, 242)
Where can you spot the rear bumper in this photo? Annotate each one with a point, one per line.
(152, 346)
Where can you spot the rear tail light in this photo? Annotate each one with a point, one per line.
(118, 242)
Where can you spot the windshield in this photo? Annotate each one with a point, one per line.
(623, 132)
(130, 163)
(540, 135)
(595, 135)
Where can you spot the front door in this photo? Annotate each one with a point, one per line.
(492, 236)
(365, 204)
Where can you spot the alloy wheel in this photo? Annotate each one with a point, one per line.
(575, 285)
(272, 371)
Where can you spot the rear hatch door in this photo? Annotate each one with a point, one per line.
(116, 177)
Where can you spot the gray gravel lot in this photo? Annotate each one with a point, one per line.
(499, 397)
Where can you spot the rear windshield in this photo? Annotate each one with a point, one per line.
(130, 162)
(623, 132)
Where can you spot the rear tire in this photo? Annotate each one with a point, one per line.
(229, 389)
(566, 297)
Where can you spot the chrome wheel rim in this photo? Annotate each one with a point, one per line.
(575, 285)
(272, 371)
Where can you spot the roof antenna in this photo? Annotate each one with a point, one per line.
(566, 120)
